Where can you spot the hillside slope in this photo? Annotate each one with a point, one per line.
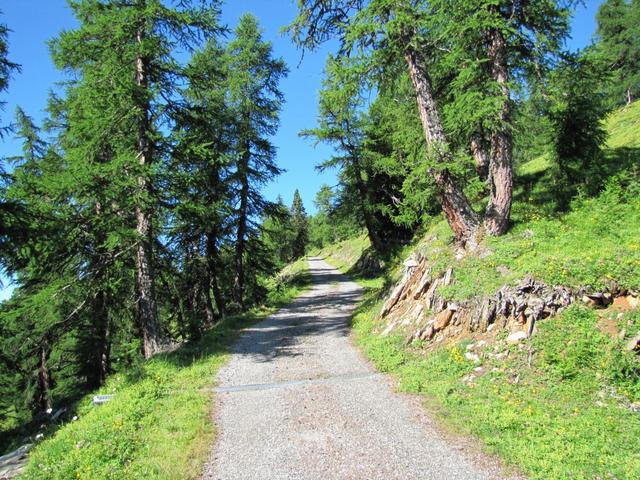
(563, 403)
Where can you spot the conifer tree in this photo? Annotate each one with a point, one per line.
(300, 227)
(124, 50)
(619, 41)
(255, 99)
(499, 41)
(7, 67)
(200, 195)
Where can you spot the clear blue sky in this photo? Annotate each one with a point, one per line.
(34, 22)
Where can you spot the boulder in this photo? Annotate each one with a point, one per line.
(443, 319)
(517, 337)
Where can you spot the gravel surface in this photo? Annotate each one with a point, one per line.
(298, 401)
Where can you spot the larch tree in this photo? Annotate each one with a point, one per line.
(619, 41)
(496, 43)
(200, 193)
(255, 99)
(126, 50)
(300, 226)
(342, 122)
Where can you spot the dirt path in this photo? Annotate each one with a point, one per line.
(298, 401)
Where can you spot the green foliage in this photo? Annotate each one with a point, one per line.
(619, 42)
(577, 109)
(7, 68)
(300, 227)
(140, 142)
(254, 100)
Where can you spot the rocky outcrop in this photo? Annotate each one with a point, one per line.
(416, 306)
(12, 464)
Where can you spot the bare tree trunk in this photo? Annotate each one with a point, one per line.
(629, 98)
(500, 167)
(239, 282)
(99, 343)
(208, 303)
(464, 221)
(365, 198)
(481, 157)
(43, 401)
(146, 304)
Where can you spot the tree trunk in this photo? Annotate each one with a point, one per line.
(500, 166)
(99, 343)
(195, 329)
(212, 255)
(375, 239)
(43, 400)
(146, 304)
(239, 282)
(629, 98)
(456, 207)
(481, 157)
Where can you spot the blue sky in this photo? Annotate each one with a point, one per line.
(34, 22)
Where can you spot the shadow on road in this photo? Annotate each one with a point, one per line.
(324, 310)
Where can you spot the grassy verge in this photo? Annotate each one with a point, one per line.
(564, 415)
(158, 425)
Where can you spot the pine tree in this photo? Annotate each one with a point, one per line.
(255, 100)
(300, 227)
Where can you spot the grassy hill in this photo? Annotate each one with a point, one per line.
(564, 404)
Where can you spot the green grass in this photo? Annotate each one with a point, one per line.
(346, 253)
(562, 417)
(158, 426)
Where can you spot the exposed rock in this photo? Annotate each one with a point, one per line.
(411, 262)
(517, 337)
(423, 284)
(428, 332)
(517, 308)
(443, 319)
(468, 378)
(634, 343)
(625, 303)
(388, 330)
(448, 277)
(12, 464)
(502, 270)
(472, 357)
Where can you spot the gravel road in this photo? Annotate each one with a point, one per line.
(298, 401)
